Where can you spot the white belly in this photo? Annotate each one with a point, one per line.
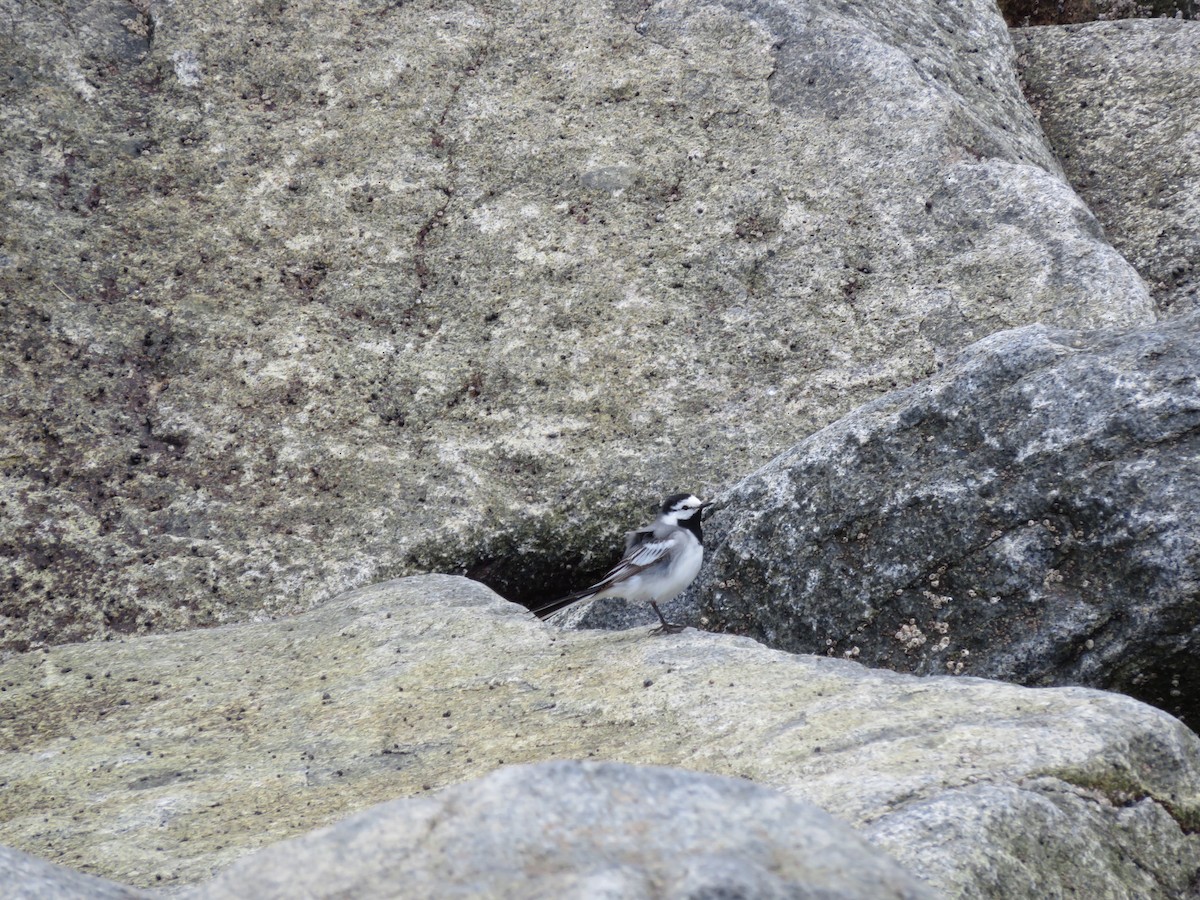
(660, 583)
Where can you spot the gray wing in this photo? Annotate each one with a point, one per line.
(641, 536)
(639, 556)
(655, 531)
(644, 548)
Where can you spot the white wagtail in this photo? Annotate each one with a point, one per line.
(661, 559)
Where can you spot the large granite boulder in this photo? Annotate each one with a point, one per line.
(1120, 104)
(1032, 513)
(298, 296)
(579, 830)
(161, 760)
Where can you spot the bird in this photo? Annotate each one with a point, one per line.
(661, 559)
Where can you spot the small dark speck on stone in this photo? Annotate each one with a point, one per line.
(446, 714)
(647, 683)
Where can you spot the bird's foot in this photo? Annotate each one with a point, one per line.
(668, 628)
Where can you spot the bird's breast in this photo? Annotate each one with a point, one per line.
(684, 570)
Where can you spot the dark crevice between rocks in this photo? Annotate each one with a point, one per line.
(1171, 684)
(1023, 13)
(534, 584)
(533, 571)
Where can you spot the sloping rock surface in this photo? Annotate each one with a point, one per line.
(298, 296)
(1032, 514)
(1120, 105)
(26, 877)
(168, 757)
(579, 830)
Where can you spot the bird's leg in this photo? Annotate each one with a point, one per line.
(666, 627)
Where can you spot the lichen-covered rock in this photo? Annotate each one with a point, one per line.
(1120, 105)
(579, 830)
(300, 296)
(1032, 513)
(170, 756)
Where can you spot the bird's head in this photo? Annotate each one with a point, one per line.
(679, 508)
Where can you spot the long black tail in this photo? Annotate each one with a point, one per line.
(548, 609)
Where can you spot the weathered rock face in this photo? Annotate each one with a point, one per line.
(298, 296)
(579, 830)
(1120, 105)
(171, 756)
(1032, 514)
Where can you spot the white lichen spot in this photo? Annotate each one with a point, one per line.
(187, 68)
(378, 348)
(78, 81)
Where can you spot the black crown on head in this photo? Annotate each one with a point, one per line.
(673, 502)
